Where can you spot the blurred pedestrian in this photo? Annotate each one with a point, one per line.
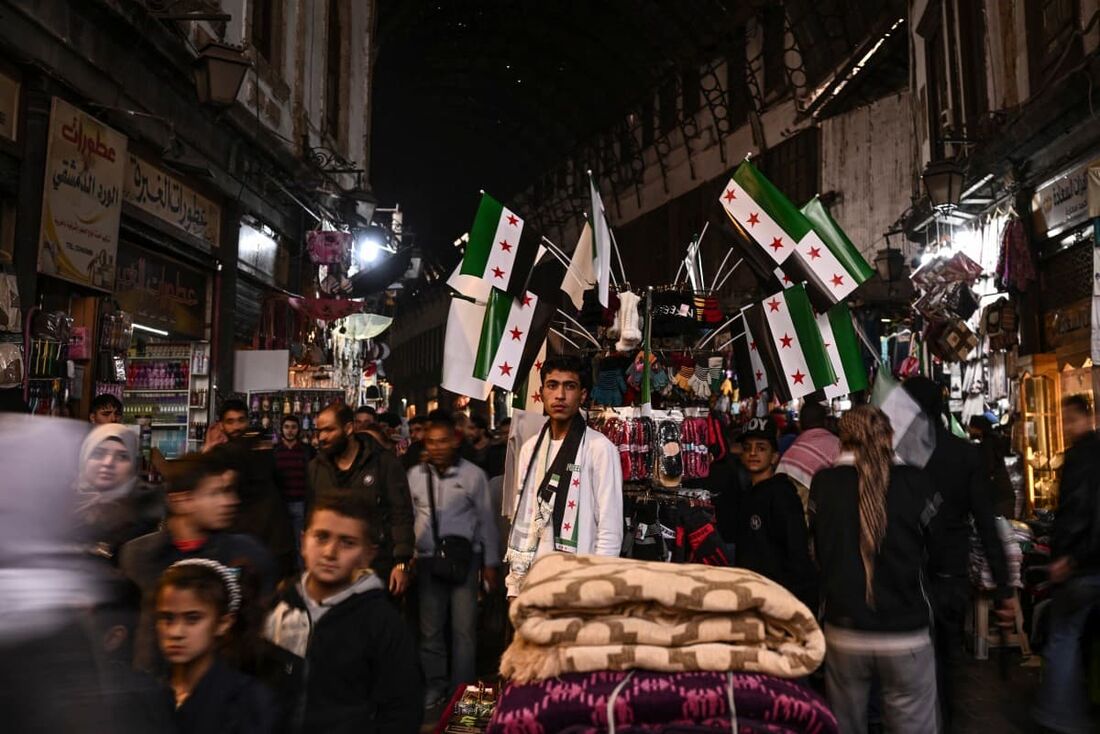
(350, 460)
(202, 504)
(416, 453)
(995, 448)
(262, 512)
(957, 472)
(876, 614)
(1063, 702)
(105, 408)
(113, 505)
(196, 603)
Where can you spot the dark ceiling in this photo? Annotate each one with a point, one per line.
(490, 94)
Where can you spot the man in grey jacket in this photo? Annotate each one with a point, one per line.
(348, 460)
(456, 492)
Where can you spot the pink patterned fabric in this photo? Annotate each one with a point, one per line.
(661, 702)
(815, 449)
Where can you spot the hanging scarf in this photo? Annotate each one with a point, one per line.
(535, 509)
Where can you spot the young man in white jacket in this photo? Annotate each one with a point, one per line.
(570, 493)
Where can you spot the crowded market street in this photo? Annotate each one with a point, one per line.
(549, 367)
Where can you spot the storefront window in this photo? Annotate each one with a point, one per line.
(1040, 439)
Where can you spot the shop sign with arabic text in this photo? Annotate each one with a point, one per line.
(167, 198)
(81, 199)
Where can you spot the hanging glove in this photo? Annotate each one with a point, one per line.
(630, 326)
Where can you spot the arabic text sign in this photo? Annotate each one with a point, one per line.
(82, 198)
(161, 292)
(166, 198)
(1062, 202)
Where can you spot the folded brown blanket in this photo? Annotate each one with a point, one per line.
(578, 614)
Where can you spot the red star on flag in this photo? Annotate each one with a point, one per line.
(571, 504)
(786, 341)
(538, 366)
(787, 279)
(773, 304)
(838, 280)
(827, 345)
(505, 369)
(759, 375)
(576, 482)
(537, 398)
(777, 243)
(516, 334)
(525, 301)
(798, 377)
(754, 219)
(566, 527)
(504, 245)
(513, 220)
(730, 195)
(752, 346)
(815, 253)
(498, 273)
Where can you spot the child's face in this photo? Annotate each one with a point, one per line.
(187, 626)
(212, 504)
(334, 548)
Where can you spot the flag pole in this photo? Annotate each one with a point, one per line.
(564, 337)
(714, 333)
(735, 266)
(699, 255)
(731, 341)
(560, 256)
(618, 255)
(647, 398)
(718, 272)
(583, 331)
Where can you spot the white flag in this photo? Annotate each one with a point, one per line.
(460, 348)
(582, 269)
(602, 238)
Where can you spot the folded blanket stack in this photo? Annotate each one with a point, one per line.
(579, 614)
(661, 702)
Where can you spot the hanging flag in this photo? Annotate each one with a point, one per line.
(515, 327)
(528, 396)
(831, 266)
(842, 345)
(752, 378)
(601, 236)
(460, 348)
(500, 253)
(504, 334)
(914, 434)
(768, 216)
(789, 344)
(582, 269)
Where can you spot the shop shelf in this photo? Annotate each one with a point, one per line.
(186, 358)
(154, 392)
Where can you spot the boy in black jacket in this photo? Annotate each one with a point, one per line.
(354, 665)
(765, 520)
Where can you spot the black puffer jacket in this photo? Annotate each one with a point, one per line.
(900, 603)
(379, 475)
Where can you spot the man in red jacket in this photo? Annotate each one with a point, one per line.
(292, 458)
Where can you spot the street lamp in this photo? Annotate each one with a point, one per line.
(219, 72)
(943, 180)
(357, 206)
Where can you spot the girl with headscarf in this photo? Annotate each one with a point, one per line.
(113, 505)
(869, 524)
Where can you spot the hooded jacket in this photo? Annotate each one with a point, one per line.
(226, 701)
(379, 475)
(1076, 524)
(350, 662)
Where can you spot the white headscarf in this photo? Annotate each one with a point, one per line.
(128, 438)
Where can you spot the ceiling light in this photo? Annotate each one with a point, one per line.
(150, 329)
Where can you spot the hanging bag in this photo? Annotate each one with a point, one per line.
(450, 563)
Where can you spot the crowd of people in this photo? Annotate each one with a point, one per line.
(337, 586)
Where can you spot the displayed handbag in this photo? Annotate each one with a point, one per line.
(450, 563)
(328, 248)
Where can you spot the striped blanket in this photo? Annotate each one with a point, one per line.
(579, 614)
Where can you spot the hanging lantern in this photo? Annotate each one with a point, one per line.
(219, 72)
(943, 181)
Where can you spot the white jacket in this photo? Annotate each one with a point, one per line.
(600, 500)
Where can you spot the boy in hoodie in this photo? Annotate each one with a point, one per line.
(354, 663)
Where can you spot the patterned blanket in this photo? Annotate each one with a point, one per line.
(578, 614)
(664, 703)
